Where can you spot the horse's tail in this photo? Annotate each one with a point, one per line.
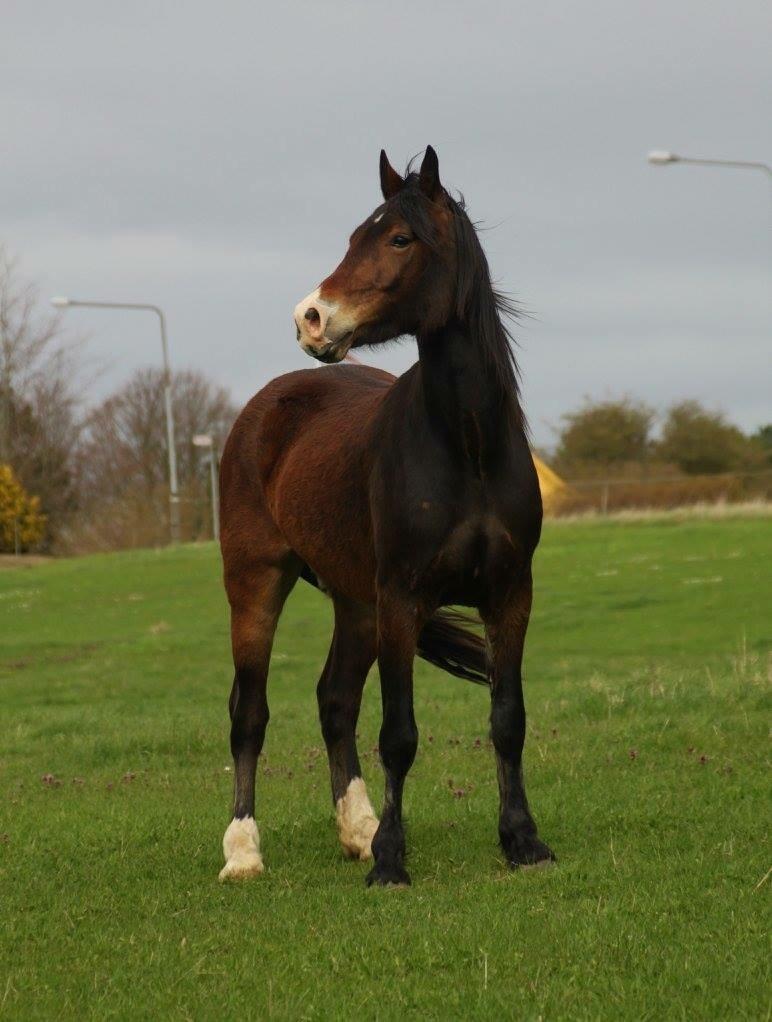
(445, 643)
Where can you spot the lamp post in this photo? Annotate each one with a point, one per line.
(206, 440)
(659, 157)
(174, 500)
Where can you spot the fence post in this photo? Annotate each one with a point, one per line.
(604, 499)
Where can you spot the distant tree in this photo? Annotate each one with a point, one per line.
(605, 433)
(22, 524)
(39, 420)
(125, 441)
(762, 441)
(124, 459)
(701, 442)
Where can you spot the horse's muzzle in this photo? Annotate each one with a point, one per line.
(316, 331)
(328, 353)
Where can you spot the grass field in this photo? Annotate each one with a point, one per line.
(647, 678)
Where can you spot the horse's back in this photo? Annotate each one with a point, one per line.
(300, 402)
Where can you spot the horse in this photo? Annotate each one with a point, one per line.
(398, 498)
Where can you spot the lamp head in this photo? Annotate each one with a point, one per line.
(661, 156)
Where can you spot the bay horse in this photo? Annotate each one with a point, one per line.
(396, 497)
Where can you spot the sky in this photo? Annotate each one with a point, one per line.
(213, 159)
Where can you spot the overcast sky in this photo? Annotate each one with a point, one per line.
(213, 158)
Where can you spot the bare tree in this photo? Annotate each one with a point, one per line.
(123, 459)
(39, 422)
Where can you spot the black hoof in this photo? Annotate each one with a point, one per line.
(387, 876)
(523, 850)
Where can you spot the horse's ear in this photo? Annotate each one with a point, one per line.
(391, 182)
(429, 175)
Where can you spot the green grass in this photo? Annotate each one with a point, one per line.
(647, 687)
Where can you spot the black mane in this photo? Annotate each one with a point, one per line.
(479, 306)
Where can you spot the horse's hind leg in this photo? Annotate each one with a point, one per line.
(256, 591)
(339, 694)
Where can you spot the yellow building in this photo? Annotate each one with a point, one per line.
(551, 485)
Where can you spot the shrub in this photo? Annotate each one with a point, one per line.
(700, 442)
(22, 524)
(605, 433)
(762, 441)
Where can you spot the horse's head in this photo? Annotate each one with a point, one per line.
(398, 276)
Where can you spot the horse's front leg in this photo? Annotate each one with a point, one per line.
(339, 693)
(398, 628)
(505, 630)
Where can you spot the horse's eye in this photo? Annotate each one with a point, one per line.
(400, 241)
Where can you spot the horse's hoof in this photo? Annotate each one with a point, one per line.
(241, 868)
(540, 864)
(241, 847)
(526, 851)
(388, 876)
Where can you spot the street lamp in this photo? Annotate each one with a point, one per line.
(174, 500)
(659, 157)
(206, 440)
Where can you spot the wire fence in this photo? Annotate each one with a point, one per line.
(662, 492)
(142, 521)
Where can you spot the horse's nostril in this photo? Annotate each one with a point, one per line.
(312, 316)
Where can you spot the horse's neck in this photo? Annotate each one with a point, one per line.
(465, 399)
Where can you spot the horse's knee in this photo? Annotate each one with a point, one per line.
(398, 744)
(248, 734)
(336, 717)
(507, 725)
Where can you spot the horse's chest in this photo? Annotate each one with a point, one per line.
(451, 537)
(470, 564)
